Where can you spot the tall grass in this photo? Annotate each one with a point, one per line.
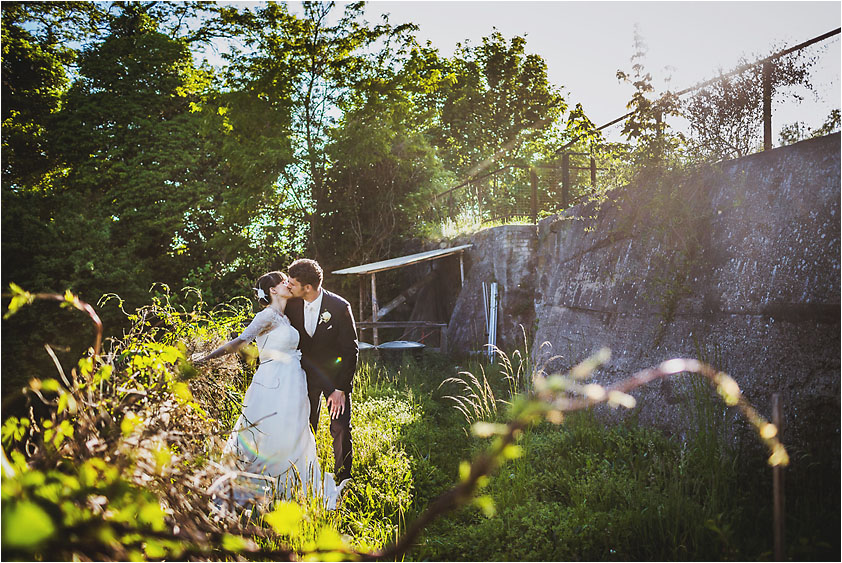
(475, 398)
(587, 490)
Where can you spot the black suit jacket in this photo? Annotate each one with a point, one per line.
(329, 357)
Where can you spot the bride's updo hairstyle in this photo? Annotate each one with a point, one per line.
(265, 282)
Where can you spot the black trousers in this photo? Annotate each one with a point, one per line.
(340, 430)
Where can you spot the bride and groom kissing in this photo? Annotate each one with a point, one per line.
(307, 341)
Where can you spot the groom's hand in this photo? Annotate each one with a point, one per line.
(336, 403)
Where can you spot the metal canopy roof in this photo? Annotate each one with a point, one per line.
(403, 261)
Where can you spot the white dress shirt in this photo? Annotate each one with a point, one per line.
(311, 313)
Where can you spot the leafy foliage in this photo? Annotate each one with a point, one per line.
(799, 131)
(726, 117)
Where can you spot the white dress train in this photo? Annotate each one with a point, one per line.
(272, 443)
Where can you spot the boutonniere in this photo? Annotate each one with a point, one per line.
(325, 317)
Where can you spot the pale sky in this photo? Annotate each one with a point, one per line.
(585, 43)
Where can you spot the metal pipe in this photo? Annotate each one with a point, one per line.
(533, 178)
(492, 324)
(375, 339)
(778, 483)
(362, 298)
(767, 106)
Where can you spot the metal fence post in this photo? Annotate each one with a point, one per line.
(534, 180)
(375, 336)
(362, 298)
(778, 483)
(565, 180)
(767, 106)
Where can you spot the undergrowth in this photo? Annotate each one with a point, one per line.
(118, 469)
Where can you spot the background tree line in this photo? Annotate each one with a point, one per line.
(127, 163)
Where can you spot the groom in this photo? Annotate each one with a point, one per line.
(328, 347)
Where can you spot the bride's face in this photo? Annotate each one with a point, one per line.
(282, 290)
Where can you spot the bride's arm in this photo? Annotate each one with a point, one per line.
(260, 322)
(230, 347)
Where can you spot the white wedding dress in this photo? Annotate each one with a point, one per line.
(273, 446)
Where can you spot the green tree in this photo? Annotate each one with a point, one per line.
(383, 167)
(153, 170)
(312, 64)
(40, 43)
(129, 139)
(647, 127)
(499, 113)
(500, 97)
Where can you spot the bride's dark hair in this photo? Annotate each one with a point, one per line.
(266, 281)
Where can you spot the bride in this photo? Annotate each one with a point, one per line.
(272, 443)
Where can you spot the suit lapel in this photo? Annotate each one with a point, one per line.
(322, 309)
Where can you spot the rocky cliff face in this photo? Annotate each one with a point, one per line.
(737, 265)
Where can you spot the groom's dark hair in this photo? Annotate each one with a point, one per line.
(307, 271)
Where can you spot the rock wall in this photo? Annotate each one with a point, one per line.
(738, 266)
(506, 255)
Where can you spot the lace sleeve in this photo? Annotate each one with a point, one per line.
(261, 322)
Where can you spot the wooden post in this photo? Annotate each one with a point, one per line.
(360, 308)
(375, 339)
(443, 339)
(767, 106)
(565, 180)
(778, 483)
(593, 172)
(533, 177)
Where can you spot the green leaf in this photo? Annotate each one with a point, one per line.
(464, 471)
(163, 457)
(233, 543)
(154, 549)
(152, 515)
(182, 391)
(13, 429)
(486, 504)
(129, 423)
(103, 374)
(285, 518)
(86, 366)
(50, 385)
(170, 354)
(67, 401)
(19, 299)
(329, 539)
(26, 525)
